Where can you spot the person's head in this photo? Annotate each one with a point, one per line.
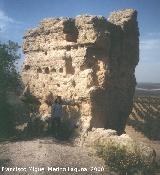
(48, 98)
(58, 99)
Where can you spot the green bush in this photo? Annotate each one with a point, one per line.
(123, 160)
(9, 82)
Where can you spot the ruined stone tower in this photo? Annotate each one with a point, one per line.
(89, 57)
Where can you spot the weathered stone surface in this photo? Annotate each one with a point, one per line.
(89, 57)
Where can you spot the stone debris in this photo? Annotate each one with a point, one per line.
(89, 57)
(102, 137)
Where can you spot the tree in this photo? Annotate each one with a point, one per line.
(9, 81)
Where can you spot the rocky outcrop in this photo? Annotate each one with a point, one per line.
(89, 57)
(110, 146)
(102, 136)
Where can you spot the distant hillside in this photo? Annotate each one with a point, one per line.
(148, 89)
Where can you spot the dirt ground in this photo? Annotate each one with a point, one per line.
(138, 136)
(48, 154)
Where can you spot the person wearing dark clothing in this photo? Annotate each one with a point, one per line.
(57, 112)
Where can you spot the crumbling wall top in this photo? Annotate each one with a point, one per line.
(122, 16)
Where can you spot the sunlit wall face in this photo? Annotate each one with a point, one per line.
(17, 16)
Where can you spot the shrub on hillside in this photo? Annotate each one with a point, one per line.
(9, 82)
(123, 160)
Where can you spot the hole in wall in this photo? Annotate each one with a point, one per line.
(98, 68)
(61, 70)
(27, 67)
(53, 70)
(69, 68)
(71, 31)
(45, 52)
(73, 83)
(68, 48)
(76, 47)
(46, 70)
(70, 37)
(83, 67)
(39, 70)
(58, 85)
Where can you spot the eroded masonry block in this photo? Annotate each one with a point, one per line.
(89, 56)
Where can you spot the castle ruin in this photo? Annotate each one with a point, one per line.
(90, 57)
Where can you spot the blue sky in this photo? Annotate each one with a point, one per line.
(16, 16)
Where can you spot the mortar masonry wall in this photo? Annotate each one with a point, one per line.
(89, 56)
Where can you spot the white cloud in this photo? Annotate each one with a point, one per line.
(5, 21)
(148, 67)
(154, 34)
(150, 49)
(150, 44)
